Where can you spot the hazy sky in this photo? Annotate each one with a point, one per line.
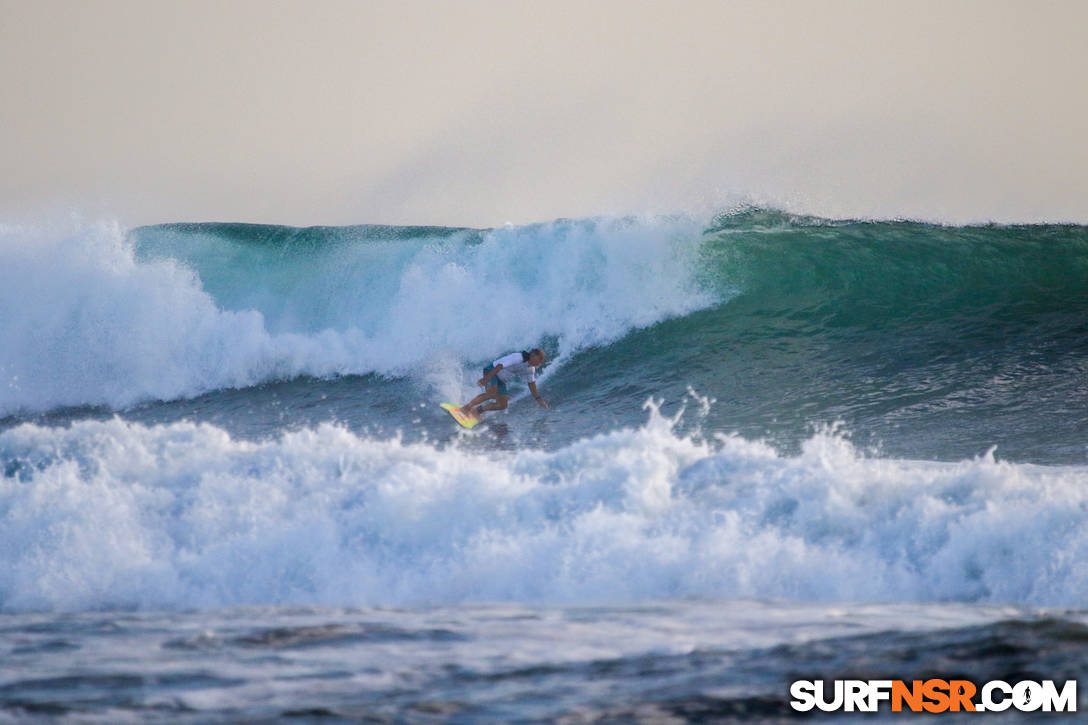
(479, 113)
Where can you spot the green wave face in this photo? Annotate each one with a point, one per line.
(924, 340)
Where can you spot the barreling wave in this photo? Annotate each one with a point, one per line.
(884, 309)
(115, 514)
(953, 339)
(101, 317)
(937, 341)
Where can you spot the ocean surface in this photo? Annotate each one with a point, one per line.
(778, 448)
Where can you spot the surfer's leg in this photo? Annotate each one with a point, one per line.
(482, 397)
(497, 390)
(500, 404)
(489, 394)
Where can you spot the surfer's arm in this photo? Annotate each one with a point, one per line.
(489, 376)
(536, 396)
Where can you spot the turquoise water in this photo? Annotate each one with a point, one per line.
(772, 439)
(918, 340)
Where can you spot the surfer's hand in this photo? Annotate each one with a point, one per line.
(542, 403)
(482, 382)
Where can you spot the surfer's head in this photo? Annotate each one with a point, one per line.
(536, 357)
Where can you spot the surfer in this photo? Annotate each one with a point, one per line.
(496, 375)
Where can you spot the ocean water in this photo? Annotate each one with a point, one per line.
(778, 448)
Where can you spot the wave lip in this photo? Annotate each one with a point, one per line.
(114, 514)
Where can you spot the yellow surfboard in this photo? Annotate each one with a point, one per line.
(465, 420)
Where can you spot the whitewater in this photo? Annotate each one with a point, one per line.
(775, 442)
(120, 516)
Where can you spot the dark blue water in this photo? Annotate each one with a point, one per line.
(675, 662)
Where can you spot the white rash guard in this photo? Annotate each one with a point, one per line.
(513, 366)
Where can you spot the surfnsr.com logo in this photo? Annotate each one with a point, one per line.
(933, 696)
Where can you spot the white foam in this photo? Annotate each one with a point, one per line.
(86, 322)
(106, 514)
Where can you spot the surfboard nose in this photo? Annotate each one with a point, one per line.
(465, 421)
